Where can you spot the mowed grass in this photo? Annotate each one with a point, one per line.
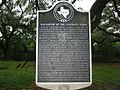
(107, 75)
(22, 78)
(16, 79)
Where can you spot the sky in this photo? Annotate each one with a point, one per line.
(84, 4)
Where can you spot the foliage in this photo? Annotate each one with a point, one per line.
(17, 26)
(107, 33)
(102, 45)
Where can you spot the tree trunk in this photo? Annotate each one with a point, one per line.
(5, 56)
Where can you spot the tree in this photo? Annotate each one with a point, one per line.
(106, 25)
(16, 17)
(99, 9)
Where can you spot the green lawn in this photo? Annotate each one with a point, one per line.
(21, 78)
(16, 79)
(107, 76)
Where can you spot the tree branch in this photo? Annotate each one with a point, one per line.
(73, 1)
(96, 11)
(8, 8)
(2, 46)
(117, 21)
(37, 6)
(12, 33)
(116, 7)
(110, 33)
(3, 2)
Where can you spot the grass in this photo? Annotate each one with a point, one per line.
(21, 78)
(16, 79)
(107, 74)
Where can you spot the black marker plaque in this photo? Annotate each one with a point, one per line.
(63, 45)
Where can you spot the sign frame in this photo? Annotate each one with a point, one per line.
(59, 85)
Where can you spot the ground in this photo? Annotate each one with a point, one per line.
(14, 77)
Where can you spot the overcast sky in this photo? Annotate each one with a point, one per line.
(84, 4)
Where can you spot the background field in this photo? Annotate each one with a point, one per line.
(105, 76)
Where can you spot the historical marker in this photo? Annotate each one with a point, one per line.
(63, 48)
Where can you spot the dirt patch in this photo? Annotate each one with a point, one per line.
(94, 86)
(109, 86)
(34, 87)
(3, 88)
